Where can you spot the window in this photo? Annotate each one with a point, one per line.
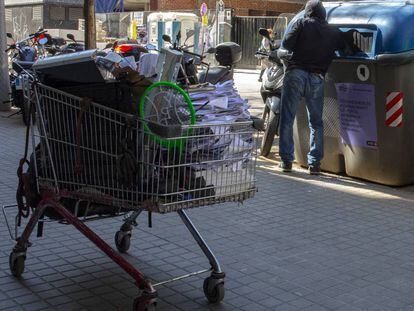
(75, 14)
(37, 13)
(57, 13)
(9, 15)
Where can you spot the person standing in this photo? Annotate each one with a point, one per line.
(265, 46)
(313, 43)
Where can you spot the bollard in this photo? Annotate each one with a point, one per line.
(5, 104)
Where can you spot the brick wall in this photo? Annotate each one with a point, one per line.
(165, 5)
(241, 7)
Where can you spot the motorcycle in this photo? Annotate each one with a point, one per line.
(23, 55)
(59, 46)
(226, 54)
(128, 47)
(188, 73)
(271, 92)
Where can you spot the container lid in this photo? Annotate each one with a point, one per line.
(389, 21)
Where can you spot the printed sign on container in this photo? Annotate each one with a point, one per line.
(357, 114)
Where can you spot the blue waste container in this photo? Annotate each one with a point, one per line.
(369, 97)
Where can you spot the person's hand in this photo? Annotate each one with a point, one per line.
(274, 58)
(284, 54)
(350, 47)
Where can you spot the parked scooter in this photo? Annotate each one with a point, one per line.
(71, 47)
(59, 46)
(23, 55)
(54, 45)
(128, 47)
(271, 92)
(188, 73)
(226, 54)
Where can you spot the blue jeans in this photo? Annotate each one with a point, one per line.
(299, 84)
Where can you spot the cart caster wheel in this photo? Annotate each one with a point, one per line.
(144, 305)
(213, 289)
(16, 264)
(122, 241)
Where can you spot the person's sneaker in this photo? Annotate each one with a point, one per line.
(285, 167)
(260, 80)
(314, 169)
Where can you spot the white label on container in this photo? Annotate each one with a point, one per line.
(363, 73)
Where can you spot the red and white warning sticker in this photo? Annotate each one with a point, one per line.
(394, 109)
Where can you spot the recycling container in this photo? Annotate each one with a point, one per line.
(369, 97)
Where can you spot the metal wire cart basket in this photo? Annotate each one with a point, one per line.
(91, 161)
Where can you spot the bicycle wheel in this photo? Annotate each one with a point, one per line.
(166, 103)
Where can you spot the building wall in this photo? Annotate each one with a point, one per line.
(33, 2)
(23, 20)
(136, 5)
(241, 7)
(166, 5)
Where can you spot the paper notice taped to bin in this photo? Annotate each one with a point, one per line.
(357, 114)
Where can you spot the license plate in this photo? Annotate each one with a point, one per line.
(18, 84)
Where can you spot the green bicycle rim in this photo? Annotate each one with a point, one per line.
(174, 143)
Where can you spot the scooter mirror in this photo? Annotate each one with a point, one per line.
(9, 35)
(109, 45)
(190, 33)
(263, 32)
(43, 41)
(71, 37)
(166, 38)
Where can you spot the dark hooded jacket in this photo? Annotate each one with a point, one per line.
(312, 40)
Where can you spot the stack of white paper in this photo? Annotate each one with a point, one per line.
(148, 64)
(221, 105)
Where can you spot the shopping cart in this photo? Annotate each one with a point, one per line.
(90, 161)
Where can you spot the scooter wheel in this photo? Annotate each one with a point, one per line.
(122, 241)
(265, 115)
(269, 134)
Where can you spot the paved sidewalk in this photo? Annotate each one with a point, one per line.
(249, 88)
(303, 243)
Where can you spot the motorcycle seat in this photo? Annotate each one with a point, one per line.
(214, 75)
